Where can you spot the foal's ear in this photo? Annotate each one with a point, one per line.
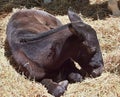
(77, 26)
(73, 16)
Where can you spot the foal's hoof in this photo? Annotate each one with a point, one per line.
(75, 77)
(60, 88)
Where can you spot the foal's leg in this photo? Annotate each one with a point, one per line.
(70, 72)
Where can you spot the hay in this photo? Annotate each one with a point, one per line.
(107, 85)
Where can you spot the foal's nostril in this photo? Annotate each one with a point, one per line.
(96, 73)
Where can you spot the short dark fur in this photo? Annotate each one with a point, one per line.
(51, 56)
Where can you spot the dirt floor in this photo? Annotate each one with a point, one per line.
(12, 84)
